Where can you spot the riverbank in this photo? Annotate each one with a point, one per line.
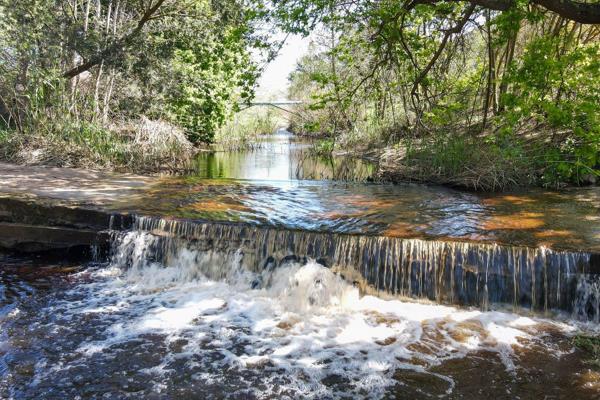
(481, 163)
(463, 160)
(470, 163)
(62, 210)
(72, 185)
(141, 146)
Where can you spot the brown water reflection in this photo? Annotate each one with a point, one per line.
(565, 220)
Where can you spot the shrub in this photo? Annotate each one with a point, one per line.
(243, 131)
(458, 160)
(144, 146)
(591, 345)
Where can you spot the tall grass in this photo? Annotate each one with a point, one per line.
(49, 122)
(140, 146)
(479, 162)
(467, 161)
(450, 153)
(246, 127)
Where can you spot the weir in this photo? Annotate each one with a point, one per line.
(450, 272)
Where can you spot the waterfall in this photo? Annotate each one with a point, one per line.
(587, 300)
(449, 272)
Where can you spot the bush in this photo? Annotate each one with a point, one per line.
(144, 146)
(244, 130)
(482, 162)
(591, 345)
(324, 147)
(567, 114)
(464, 161)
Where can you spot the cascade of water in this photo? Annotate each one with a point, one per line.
(587, 301)
(461, 273)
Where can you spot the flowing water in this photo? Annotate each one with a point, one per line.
(282, 184)
(192, 323)
(285, 288)
(536, 218)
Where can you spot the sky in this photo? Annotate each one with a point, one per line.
(273, 83)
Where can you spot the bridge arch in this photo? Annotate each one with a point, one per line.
(279, 104)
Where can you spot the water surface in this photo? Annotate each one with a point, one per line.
(282, 183)
(281, 156)
(559, 220)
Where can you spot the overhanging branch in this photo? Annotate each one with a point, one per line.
(584, 13)
(115, 47)
(455, 30)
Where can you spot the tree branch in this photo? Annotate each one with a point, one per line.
(584, 13)
(456, 29)
(117, 46)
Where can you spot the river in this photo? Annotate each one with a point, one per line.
(249, 280)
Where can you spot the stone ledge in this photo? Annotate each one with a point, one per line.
(45, 212)
(32, 239)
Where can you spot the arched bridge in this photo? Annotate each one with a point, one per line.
(279, 104)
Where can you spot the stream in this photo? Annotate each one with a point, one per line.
(272, 273)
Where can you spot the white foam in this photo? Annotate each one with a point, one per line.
(306, 321)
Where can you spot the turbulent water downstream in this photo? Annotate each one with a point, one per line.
(226, 308)
(201, 324)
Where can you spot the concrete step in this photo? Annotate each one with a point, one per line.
(36, 238)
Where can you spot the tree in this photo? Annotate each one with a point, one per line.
(520, 78)
(187, 61)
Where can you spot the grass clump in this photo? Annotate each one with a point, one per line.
(590, 345)
(461, 161)
(244, 130)
(486, 162)
(140, 146)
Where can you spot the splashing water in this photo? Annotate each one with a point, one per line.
(199, 323)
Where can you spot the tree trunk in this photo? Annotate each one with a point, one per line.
(107, 97)
(488, 89)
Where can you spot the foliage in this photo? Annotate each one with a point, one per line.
(209, 72)
(444, 77)
(561, 94)
(591, 345)
(324, 147)
(71, 69)
(460, 160)
(244, 130)
(142, 146)
(461, 88)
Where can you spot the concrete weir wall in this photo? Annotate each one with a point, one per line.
(60, 209)
(33, 226)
